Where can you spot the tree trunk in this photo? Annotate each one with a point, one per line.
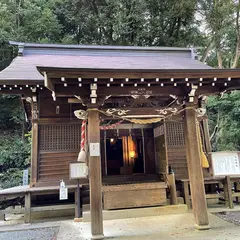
(236, 56)
(205, 54)
(219, 58)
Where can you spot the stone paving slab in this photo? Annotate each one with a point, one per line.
(34, 234)
(178, 226)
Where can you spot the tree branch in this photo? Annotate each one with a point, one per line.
(236, 56)
(215, 128)
(207, 49)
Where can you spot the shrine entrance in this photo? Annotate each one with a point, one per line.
(142, 86)
(124, 156)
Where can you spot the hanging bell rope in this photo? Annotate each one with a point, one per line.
(204, 160)
(81, 114)
(111, 126)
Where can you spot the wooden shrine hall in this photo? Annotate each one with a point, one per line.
(144, 114)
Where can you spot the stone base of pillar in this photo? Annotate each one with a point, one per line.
(202, 227)
(77, 220)
(99, 236)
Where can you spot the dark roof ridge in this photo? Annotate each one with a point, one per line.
(101, 47)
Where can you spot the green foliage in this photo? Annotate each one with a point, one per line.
(12, 115)
(14, 148)
(11, 177)
(14, 152)
(225, 112)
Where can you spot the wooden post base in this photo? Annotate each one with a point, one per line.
(202, 227)
(99, 236)
(173, 191)
(77, 220)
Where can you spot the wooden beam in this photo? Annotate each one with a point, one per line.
(16, 91)
(74, 100)
(140, 73)
(48, 83)
(95, 176)
(103, 90)
(27, 205)
(195, 171)
(34, 149)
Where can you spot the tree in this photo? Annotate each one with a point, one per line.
(221, 20)
(224, 115)
(132, 22)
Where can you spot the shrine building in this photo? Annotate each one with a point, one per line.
(138, 113)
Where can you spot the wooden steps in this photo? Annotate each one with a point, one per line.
(55, 165)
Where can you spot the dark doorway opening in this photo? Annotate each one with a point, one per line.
(115, 157)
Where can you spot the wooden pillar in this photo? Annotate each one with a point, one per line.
(27, 208)
(186, 193)
(228, 192)
(95, 175)
(195, 171)
(2, 215)
(34, 149)
(78, 204)
(173, 190)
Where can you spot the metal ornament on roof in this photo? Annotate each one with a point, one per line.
(117, 111)
(201, 112)
(166, 111)
(81, 114)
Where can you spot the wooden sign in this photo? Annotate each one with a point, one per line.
(78, 170)
(226, 163)
(63, 191)
(94, 149)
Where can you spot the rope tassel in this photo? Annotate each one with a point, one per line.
(82, 153)
(204, 159)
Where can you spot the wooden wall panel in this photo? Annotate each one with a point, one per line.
(160, 155)
(55, 165)
(149, 151)
(177, 161)
(48, 108)
(59, 137)
(59, 144)
(176, 150)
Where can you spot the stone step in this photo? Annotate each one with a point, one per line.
(139, 212)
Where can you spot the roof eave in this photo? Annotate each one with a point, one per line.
(166, 73)
(101, 47)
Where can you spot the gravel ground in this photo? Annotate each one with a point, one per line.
(232, 217)
(35, 234)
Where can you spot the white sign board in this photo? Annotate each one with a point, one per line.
(63, 191)
(25, 177)
(94, 149)
(78, 170)
(225, 163)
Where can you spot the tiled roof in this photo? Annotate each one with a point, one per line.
(96, 57)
